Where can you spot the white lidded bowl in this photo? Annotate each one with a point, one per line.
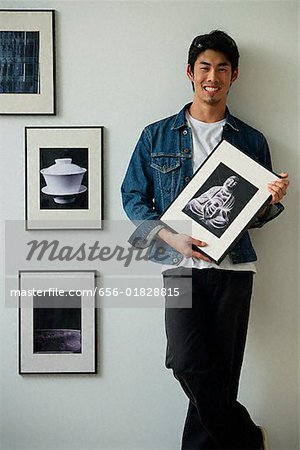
(63, 177)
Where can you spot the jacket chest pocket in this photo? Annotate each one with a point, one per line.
(166, 176)
(165, 163)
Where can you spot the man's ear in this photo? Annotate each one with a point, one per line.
(234, 75)
(189, 73)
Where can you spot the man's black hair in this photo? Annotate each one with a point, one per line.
(215, 40)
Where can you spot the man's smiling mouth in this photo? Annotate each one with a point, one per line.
(211, 89)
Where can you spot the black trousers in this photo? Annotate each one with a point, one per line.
(205, 348)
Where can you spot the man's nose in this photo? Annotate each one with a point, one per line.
(213, 75)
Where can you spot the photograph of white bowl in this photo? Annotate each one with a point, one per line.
(63, 180)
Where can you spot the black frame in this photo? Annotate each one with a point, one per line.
(19, 326)
(174, 216)
(101, 173)
(52, 12)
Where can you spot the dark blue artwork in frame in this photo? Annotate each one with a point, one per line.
(19, 62)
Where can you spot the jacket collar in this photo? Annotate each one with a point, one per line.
(180, 119)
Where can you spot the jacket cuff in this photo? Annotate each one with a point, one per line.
(145, 233)
(273, 211)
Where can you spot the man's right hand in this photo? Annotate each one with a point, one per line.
(183, 244)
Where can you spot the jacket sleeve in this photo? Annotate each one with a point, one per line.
(138, 194)
(272, 210)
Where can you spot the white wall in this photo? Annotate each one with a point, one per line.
(122, 65)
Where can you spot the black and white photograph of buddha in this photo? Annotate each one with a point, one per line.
(220, 200)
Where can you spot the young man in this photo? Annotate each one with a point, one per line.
(205, 343)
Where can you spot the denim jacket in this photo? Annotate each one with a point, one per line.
(161, 166)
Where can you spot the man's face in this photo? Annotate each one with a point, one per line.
(212, 77)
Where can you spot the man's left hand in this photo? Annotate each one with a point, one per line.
(278, 188)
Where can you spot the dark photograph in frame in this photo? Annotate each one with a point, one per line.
(220, 200)
(57, 324)
(57, 321)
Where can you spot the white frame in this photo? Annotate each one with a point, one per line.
(84, 362)
(55, 137)
(43, 22)
(248, 168)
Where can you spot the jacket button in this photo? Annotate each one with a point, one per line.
(175, 260)
(186, 150)
(184, 132)
(186, 179)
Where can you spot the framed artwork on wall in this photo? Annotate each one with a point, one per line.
(57, 322)
(221, 200)
(27, 61)
(63, 177)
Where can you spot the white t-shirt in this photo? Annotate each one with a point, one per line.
(206, 137)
